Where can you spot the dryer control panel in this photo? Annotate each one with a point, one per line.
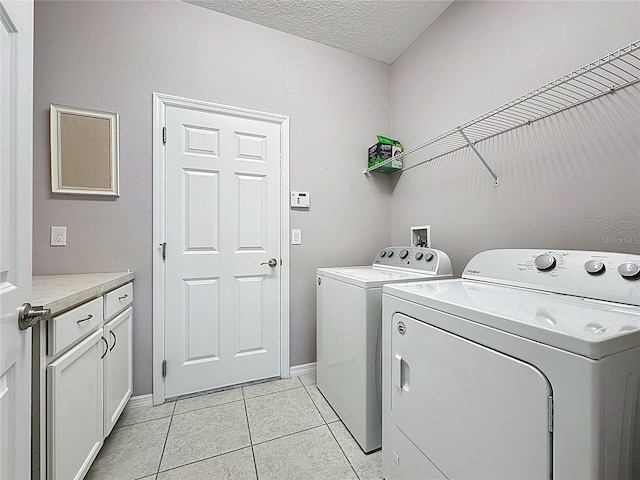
(613, 277)
(417, 258)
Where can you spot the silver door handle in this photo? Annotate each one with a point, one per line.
(28, 316)
(272, 262)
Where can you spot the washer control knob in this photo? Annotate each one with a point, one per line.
(383, 253)
(594, 267)
(419, 256)
(404, 253)
(629, 270)
(390, 253)
(545, 262)
(428, 256)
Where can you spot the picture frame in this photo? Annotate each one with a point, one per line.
(84, 151)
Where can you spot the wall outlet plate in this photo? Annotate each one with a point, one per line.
(58, 236)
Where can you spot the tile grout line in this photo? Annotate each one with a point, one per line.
(210, 406)
(244, 398)
(142, 421)
(276, 391)
(344, 453)
(324, 422)
(292, 433)
(253, 453)
(315, 405)
(212, 456)
(318, 408)
(165, 440)
(331, 431)
(200, 460)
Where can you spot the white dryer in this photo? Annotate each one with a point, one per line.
(528, 367)
(349, 308)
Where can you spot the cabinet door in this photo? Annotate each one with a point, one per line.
(75, 409)
(118, 368)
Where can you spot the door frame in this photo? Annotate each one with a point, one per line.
(160, 103)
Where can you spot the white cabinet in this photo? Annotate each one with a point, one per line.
(74, 408)
(73, 325)
(118, 368)
(89, 380)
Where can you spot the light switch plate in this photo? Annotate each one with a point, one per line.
(296, 236)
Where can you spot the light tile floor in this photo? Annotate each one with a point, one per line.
(281, 429)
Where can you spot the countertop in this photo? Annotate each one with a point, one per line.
(62, 292)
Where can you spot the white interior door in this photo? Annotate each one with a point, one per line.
(222, 227)
(16, 93)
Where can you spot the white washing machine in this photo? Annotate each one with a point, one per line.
(349, 308)
(528, 367)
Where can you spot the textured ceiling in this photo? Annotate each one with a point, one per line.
(377, 29)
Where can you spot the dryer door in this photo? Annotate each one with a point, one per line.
(472, 411)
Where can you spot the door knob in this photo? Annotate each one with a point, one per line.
(28, 316)
(272, 262)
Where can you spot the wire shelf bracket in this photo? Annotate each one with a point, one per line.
(475, 150)
(604, 76)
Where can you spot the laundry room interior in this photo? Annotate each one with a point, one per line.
(566, 181)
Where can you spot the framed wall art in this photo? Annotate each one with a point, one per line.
(84, 151)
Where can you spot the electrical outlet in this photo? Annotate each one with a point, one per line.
(58, 236)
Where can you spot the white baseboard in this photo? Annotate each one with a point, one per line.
(304, 369)
(140, 401)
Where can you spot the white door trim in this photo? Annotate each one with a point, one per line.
(160, 103)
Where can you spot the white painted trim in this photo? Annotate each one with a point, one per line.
(140, 401)
(284, 251)
(158, 237)
(160, 103)
(303, 369)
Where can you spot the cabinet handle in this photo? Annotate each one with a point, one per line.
(106, 344)
(114, 340)
(84, 319)
(123, 297)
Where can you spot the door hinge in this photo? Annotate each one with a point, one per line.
(163, 245)
(550, 413)
(164, 368)
(164, 135)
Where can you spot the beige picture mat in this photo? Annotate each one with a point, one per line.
(85, 147)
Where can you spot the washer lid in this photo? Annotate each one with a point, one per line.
(374, 276)
(590, 328)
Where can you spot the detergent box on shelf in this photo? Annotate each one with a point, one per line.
(383, 150)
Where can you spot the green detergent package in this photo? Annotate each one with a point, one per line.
(383, 150)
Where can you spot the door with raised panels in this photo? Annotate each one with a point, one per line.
(75, 408)
(118, 368)
(16, 160)
(222, 228)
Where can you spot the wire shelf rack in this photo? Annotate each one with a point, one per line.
(604, 76)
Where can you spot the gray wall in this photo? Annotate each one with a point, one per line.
(568, 182)
(112, 55)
